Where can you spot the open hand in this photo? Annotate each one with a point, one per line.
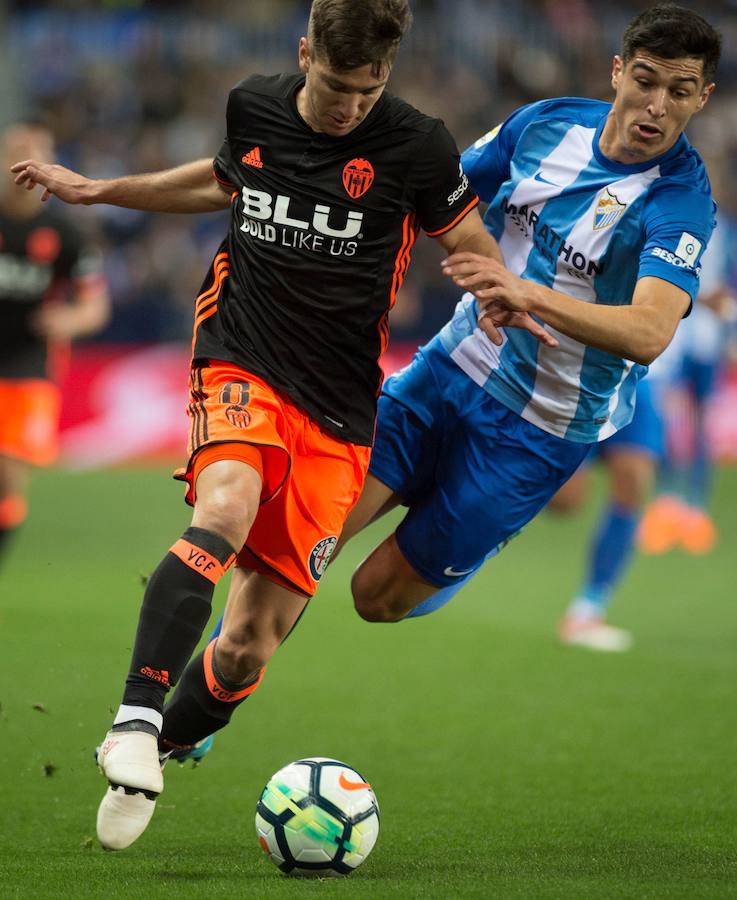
(56, 181)
(504, 299)
(493, 317)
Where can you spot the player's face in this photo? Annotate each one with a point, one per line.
(655, 98)
(336, 102)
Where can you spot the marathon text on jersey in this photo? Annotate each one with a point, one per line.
(547, 240)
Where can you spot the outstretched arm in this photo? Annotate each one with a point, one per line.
(640, 331)
(191, 188)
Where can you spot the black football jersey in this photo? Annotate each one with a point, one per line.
(319, 241)
(39, 257)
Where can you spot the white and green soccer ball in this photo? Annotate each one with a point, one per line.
(317, 817)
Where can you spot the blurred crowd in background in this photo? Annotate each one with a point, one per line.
(141, 85)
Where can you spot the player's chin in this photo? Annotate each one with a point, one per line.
(336, 128)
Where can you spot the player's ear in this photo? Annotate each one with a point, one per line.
(705, 94)
(617, 69)
(304, 55)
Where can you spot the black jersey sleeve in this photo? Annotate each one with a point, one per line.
(440, 191)
(221, 165)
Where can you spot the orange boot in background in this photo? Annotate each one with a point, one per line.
(698, 532)
(660, 528)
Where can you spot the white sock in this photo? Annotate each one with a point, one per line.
(142, 713)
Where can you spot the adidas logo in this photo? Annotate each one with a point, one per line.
(253, 158)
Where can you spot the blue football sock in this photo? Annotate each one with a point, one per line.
(437, 601)
(611, 551)
(699, 474)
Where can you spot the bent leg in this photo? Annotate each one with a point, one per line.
(178, 597)
(258, 617)
(385, 586)
(376, 499)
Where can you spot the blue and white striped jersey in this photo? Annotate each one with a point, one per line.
(573, 220)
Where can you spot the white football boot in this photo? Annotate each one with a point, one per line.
(594, 634)
(130, 762)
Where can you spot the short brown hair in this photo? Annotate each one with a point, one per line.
(349, 34)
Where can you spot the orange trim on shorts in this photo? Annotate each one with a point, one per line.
(200, 560)
(13, 511)
(247, 559)
(214, 686)
(212, 453)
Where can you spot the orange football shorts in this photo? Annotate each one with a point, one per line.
(311, 480)
(29, 424)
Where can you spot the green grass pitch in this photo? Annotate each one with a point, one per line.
(505, 765)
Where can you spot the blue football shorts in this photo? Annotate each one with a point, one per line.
(699, 377)
(646, 431)
(472, 472)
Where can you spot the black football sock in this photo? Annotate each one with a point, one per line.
(137, 725)
(176, 607)
(204, 701)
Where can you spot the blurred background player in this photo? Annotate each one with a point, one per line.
(687, 376)
(675, 394)
(631, 457)
(51, 291)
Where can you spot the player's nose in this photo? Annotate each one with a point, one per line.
(350, 106)
(657, 105)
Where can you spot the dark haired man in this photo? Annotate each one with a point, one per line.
(602, 212)
(329, 180)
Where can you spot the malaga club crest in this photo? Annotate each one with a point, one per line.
(358, 176)
(608, 210)
(320, 556)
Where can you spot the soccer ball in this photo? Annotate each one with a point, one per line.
(317, 817)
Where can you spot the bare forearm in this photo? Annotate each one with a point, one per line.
(190, 188)
(471, 236)
(631, 332)
(639, 330)
(480, 242)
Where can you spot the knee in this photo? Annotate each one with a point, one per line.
(630, 493)
(226, 513)
(238, 660)
(375, 602)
